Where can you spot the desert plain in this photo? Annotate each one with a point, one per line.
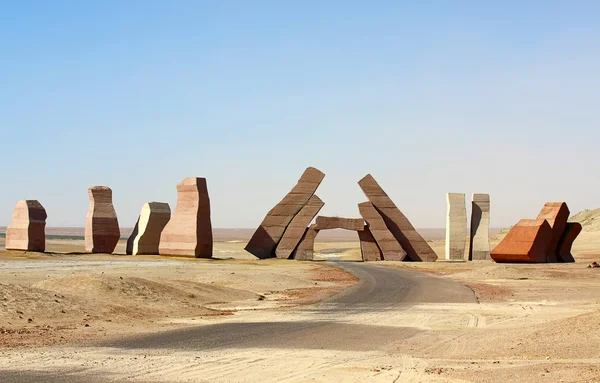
(66, 316)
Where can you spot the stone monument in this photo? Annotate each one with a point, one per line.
(479, 243)
(101, 224)
(189, 231)
(145, 237)
(27, 228)
(297, 227)
(456, 227)
(389, 246)
(265, 239)
(416, 248)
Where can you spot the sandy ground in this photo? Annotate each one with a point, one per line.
(532, 323)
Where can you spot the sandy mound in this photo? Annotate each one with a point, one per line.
(133, 291)
(589, 219)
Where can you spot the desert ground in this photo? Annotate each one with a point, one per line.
(71, 317)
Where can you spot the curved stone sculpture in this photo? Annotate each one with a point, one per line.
(265, 239)
(456, 227)
(557, 214)
(389, 246)
(416, 248)
(145, 237)
(101, 224)
(572, 230)
(479, 246)
(189, 232)
(526, 242)
(27, 227)
(297, 228)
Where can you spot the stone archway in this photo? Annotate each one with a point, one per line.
(368, 246)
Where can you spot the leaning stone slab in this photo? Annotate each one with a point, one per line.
(101, 225)
(145, 237)
(296, 229)
(306, 248)
(557, 214)
(456, 227)
(526, 242)
(479, 246)
(265, 239)
(389, 246)
(417, 249)
(189, 231)
(368, 246)
(326, 223)
(566, 242)
(27, 228)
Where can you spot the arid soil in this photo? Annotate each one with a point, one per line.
(533, 323)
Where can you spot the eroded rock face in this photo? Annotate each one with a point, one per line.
(189, 231)
(326, 223)
(456, 227)
(526, 242)
(297, 227)
(145, 237)
(565, 244)
(101, 225)
(368, 246)
(265, 239)
(479, 248)
(557, 214)
(27, 229)
(306, 248)
(416, 248)
(389, 246)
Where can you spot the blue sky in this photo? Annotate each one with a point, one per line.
(430, 97)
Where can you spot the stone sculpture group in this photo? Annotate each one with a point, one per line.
(384, 232)
(548, 238)
(187, 233)
(456, 227)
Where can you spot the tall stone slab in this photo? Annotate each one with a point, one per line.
(565, 244)
(189, 231)
(479, 243)
(456, 227)
(417, 249)
(26, 230)
(101, 225)
(557, 214)
(326, 223)
(306, 248)
(526, 242)
(145, 237)
(368, 246)
(265, 239)
(389, 246)
(296, 229)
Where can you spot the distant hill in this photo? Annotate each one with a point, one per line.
(589, 219)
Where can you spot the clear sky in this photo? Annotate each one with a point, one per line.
(428, 96)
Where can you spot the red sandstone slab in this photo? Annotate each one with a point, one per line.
(565, 244)
(306, 248)
(368, 246)
(265, 239)
(101, 225)
(389, 246)
(526, 242)
(296, 229)
(416, 248)
(189, 231)
(557, 214)
(27, 228)
(326, 223)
